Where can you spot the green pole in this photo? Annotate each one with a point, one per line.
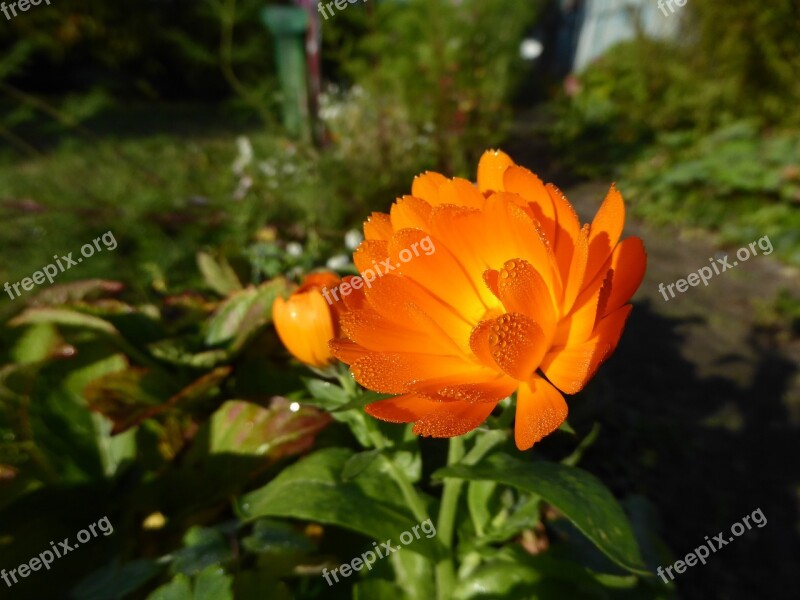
(288, 25)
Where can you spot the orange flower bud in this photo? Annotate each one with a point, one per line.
(307, 321)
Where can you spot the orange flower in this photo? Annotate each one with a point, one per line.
(306, 322)
(516, 297)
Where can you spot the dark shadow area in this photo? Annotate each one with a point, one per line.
(705, 450)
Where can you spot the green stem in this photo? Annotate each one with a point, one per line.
(409, 492)
(445, 569)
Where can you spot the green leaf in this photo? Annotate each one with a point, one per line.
(258, 585)
(203, 547)
(64, 317)
(38, 343)
(179, 588)
(313, 490)
(218, 274)
(227, 319)
(274, 536)
(65, 293)
(581, 497)
(116, 581)
(240, 427)
(379, 589)
(213, 584)
(479, 495)
(358, 463)
(327, 396)
(415, 575)
(243, 314)
(513, 573)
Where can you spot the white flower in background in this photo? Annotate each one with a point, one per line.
(294, 249)
(530, 49)
(245, 183)
(338, 262)
(289, 169)
(352, 239)
(268, 168)
(245, 155)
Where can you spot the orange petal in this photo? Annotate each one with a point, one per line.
(438, 272)
(369, 254)
(402, 409)
(519, 237)
(426, 186)
(378, 227)
(449, 419)
(460, 192)
(521, 289)
(568, 228)
(579, 325)
(362, 327)
(346, 351)
(570, 368)
(458, 228)
(491, 168)
(410, 212)
(354, 299)
(541, 410)
(403, 301)
(479, 342)
(517, 345)
(577, 270)
(489, 391)
(520, 181)
(628, 264)
(398, 373)
(305, 326)
(606, 230)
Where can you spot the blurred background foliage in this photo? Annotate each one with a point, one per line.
(701, 125)
(150, 384)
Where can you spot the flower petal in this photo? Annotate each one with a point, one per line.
(402, 409)
(520, 181)
(410, 212)
(399, 373)
(460, 192)
(541, 410)
(606, 230)
(378, 227)
(438, 272)
(426, 186)
(517, 345)
(491, 167)
(522, 289)
(449, 419)
(628, 264)
(489, 391)
(570, 368)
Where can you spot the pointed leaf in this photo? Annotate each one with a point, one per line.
(580, 496)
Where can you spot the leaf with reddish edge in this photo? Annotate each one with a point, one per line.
(241, 427)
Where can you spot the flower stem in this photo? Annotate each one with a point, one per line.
(409, 492)
(445, 569)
